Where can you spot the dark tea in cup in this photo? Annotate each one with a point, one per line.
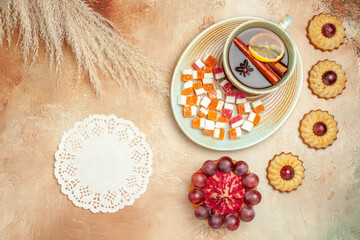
(258, 58)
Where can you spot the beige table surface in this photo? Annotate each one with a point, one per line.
(35, 111)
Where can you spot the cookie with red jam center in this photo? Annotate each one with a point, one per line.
(326, 32)
(327, 79)
(318, 129)
(285, 172)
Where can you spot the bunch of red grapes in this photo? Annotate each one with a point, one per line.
(249, 181)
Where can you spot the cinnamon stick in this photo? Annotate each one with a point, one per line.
(263, 69)
(278, 68)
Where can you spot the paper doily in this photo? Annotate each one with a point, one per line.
(103, 163)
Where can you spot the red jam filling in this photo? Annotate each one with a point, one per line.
(329, 77)
(319, 129)
(287, 173)
(328, 30)
(224, 193)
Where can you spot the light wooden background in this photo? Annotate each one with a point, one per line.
(35, 111)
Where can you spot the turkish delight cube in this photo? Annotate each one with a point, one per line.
(212, 94)
(198, 64)
(210, 61)
(240, 97)
(219, 133)
(187, 75)
(254, 118)
(221, 122)
(212, 115)
(189, 111)
(203, 112)
(247, 126)
(236, 121)
(182, 100)
(198, 87)
(257, 106)
(191, 100)
(208, 84)
(234, 133)
(209, 127)
(205, 102)
(218, 73)
(228, 110)
(226, 85)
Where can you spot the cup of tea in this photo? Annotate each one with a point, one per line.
(259, 56)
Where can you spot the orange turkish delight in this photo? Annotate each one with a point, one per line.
(208, 73)
(212, 94)
(214, 104)
(212, 115)
(189, 111)
(208, 84)
(203, 112)
(187, 75)
(198, 123)
(221, 122)
(243, 108)
(187, 91)
(208, 132)
(187, 88)
(192, 100)
(210, 61)
(209, 127)
(219, 133)
(208, 70)
(199, 90)
(234, 133)
(254, 118)
(257, 106)
(200, 74)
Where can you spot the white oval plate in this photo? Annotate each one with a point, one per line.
(278, 104)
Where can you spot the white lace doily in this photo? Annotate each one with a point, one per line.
(103, 163)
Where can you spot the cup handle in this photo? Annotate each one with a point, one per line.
(285, 22)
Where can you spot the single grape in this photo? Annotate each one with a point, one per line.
(329, 77)
(250, 180)
(215, 221)
(240, 168)
(209, 167)
(287, 172)
(246, 213)
(319, 129)
(328, 30)
(252, 197)
(232, 222)
(225, 164)
(202, 212)
(198, 179)
(196, 196)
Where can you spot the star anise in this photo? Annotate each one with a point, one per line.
(244, 68)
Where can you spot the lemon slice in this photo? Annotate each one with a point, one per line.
(266, 47)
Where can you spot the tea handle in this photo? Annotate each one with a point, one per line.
(285, 22)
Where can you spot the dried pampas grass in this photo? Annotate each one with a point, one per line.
(96, 45)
